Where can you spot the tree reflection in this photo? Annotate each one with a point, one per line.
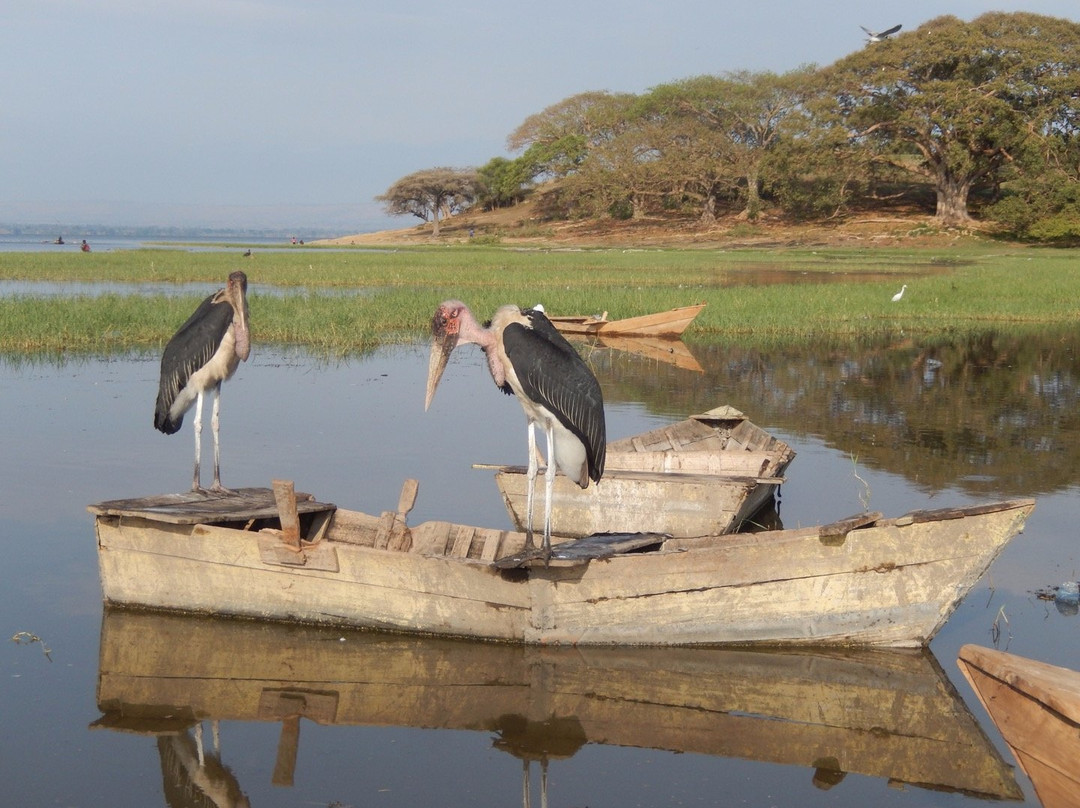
(994, 414)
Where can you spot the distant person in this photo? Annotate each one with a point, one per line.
(294, 239)
(84, 246)
(59, 240)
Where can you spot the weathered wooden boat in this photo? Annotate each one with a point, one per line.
(274, 555)
(667, 324)
(890, 714)
(708, 474)
(1037, 709)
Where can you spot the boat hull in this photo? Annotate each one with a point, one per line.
(665, 324)
(706, 475)
(890, 583)
(1037, 709)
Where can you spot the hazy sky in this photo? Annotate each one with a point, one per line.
(296, 113)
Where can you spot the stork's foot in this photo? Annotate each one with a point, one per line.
(218, 488)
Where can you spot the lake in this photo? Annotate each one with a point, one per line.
(899, 426)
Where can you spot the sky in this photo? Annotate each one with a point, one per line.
(295, 114)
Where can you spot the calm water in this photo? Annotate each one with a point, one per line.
(398, 723)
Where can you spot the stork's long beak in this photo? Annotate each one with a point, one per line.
(441, 347)
(236, 290)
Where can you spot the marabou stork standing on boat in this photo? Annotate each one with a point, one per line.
(201, 355)
(528, 357)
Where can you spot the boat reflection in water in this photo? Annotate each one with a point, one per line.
(882, 713)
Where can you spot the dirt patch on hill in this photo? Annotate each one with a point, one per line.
(521, 226)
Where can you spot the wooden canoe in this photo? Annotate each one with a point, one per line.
(890, 714)
(708, 474)
(864, 581)
(1037, 709)
(666, 324)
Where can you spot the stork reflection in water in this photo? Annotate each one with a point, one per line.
(529, 358)
(204, 353)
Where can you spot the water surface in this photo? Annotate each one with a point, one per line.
(877, 425)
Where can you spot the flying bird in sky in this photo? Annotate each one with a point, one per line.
(880, 35)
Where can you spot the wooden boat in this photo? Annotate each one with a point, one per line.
(1037, 709)
(667, 324)
(864, 581)
(708, 474)
(890, 714)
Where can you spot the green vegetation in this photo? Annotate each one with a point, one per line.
(349, 301)
(959, 119)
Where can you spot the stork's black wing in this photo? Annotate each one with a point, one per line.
(552, 373)
(190, 348)
(891, 31)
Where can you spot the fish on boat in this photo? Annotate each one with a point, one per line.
(889, 714)
(1036, 707)
(664, 324)
(708, 474)
(273, 554)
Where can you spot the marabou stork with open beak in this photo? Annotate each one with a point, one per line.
(201, 355)
(529, 358)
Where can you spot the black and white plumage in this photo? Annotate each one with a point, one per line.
(529, 358)
(880, 36)
(200, 356)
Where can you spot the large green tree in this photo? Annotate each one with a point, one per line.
(745, 112)
(956, 102)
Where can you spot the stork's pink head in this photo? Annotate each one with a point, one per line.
(445, 331)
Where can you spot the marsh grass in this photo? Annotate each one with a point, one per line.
(836, 292)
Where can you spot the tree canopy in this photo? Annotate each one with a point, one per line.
(949, 115)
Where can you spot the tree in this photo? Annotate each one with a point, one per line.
(955, 102)
(745, 111)
(501, 182)
(431, 194)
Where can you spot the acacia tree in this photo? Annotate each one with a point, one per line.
(744, 110)
(955, 102)
(431, 194)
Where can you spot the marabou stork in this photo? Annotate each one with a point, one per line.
(529, 358)
(880, 36)
(201, 355)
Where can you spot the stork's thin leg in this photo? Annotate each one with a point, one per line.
(199, 745)
(526, 790)
(549, 487)
(532, 484)
(215, 423)
(543, 783)
(198, 441)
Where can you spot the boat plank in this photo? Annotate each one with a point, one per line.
(193, 507)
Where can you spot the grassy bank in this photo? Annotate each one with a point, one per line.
(773, 295)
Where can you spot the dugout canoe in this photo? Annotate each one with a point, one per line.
(665, 324)
(888, 714)
(863, 581)
(708, 474)
(1036, 707)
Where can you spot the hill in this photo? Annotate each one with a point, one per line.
(521, 226)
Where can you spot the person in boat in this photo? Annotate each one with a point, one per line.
(84, 246)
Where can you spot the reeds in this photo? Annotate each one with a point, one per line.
(349, 301)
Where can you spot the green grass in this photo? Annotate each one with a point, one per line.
(755, 295)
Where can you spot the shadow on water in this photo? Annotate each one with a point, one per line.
(884, 714)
